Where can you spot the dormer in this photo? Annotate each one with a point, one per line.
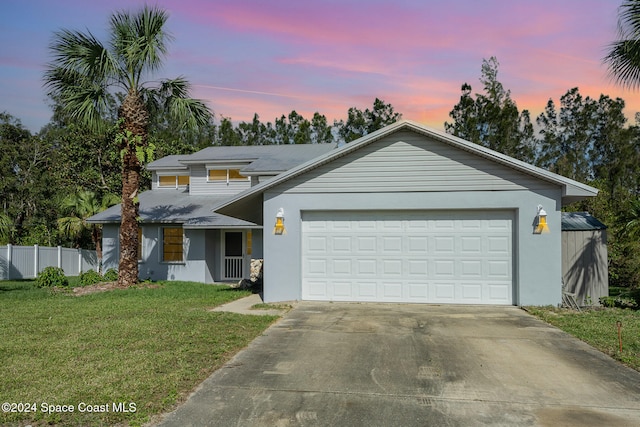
(169, 173)
(229, 170)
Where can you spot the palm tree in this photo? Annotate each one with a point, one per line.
(82, 75)
(81, 206)
(623, 58)
(630, 220)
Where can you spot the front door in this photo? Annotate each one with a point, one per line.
(233, 255)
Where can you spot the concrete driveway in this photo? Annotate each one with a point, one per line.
(335, 364)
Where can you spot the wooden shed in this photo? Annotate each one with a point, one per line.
(584, 257)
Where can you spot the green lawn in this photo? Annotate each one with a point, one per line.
(141, 349)
(598, 328)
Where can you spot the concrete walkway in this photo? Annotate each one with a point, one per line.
(243, 306)
(334, 364)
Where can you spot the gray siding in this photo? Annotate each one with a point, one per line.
(200, 186)
(407, 161)
(584, 265)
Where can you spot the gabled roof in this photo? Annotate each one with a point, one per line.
(580, 221)
(248, 204)
(260, 159)
(170, 206)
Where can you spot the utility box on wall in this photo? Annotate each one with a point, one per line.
(584, 257)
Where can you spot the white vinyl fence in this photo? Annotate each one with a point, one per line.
(25, 262)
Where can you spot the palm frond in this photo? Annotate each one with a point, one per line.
(629, 20)
(190, 113)
(623, 58)
(70, 226)
(171, 98)
(139, 41)
(624, 62)
(84, 100)
(79, 76)
(83, 54)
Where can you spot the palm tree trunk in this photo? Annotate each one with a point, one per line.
(134, 127)
(128, 266)
(96, 235)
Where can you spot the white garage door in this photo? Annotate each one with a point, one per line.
(457, 257)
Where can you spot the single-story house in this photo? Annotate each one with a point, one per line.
(410, 214)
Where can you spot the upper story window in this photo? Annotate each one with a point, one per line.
(173, 181)
(224, 175)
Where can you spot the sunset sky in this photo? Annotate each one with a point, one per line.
(271, 57)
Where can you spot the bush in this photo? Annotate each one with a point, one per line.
(50, 277)
(110, 275)
(90, 277)
(619, 301)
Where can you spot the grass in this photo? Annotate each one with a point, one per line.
(268, 306)
(598, 328)
(145, 346)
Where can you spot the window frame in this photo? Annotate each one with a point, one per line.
(229, 170)
(162, 251)
(176, 179)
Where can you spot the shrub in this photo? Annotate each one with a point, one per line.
(50, 277)
(90, 277)
(619, 301)
(110, 275)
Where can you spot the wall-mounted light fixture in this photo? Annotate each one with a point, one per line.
(540, 225)
(279, 227)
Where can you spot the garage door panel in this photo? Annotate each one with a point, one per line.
(470, 293)
(418, 245)
(391, 267)
(341, 244)
(499, 270)
(417, 292)
(392, 245)
(317, 244)
(444, 244)
(317, 267)
(366, 291)
(417, 268)
(342, 289)
(471, 245)
(444, 269)
(443, 224)
(342, 267)
(471, 269)
(443, 292)
(437, 257)
(365, 244)
(498, 292)
(317, 289)
(366, 267)
(499, 245)
(392, 290)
